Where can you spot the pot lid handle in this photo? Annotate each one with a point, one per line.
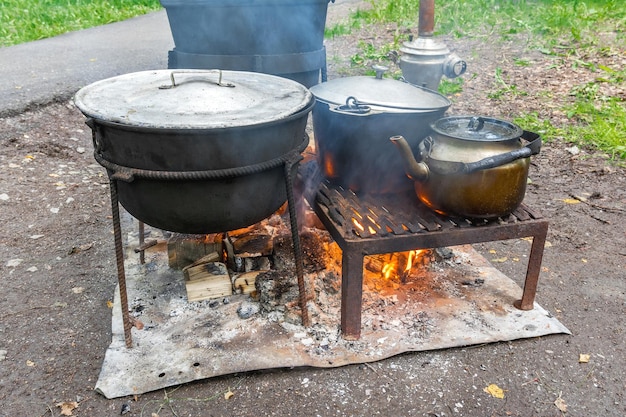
(353, 105)
(173, 80)
(380, 71)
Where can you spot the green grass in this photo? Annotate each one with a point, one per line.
(29, 20)
(573, 31)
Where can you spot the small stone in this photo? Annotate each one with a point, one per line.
(247, 310)
(12, 263)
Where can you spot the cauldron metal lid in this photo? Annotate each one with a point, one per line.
(477, 128)
(382, 94)
(193, 99)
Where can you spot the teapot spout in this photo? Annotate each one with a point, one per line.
(417, 171)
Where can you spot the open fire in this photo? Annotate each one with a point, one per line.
(221, 265)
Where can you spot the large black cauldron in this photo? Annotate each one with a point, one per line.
(162, 134)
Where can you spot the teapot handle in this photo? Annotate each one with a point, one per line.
(532, 148)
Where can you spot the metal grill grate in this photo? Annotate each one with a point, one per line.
(369, 225)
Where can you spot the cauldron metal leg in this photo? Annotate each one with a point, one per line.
(143, 244)
(296, 241)
(142, 253)
(119, 255)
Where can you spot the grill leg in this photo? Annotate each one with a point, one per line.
(351, 294)
(534, 268)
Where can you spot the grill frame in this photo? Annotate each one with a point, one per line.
(402, 223)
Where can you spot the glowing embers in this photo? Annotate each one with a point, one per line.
(366, 223)
(363, 230)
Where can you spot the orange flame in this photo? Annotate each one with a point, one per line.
(390, 268)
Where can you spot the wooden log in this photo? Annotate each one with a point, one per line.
(207, 280)
(210, 258)
(257, 244)
(253, 245)
(245, 283)
(183, 250)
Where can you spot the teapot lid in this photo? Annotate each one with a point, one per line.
(477, 128)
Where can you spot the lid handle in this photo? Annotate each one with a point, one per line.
(476, 123)
(380, 71)
(354, 106)
(173, 80)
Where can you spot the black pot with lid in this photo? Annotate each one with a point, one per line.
(170, 137)
(353, 120)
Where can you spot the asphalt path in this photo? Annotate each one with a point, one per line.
(40, 72)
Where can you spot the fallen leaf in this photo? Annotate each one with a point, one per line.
(228, 395)
(81, 248)
(500, 260)
(67, 407)
(78, 290)
(492, 251)
(547, 244)
(571, 201)
(30, 363)
(584, 358)
(109, 303)
(560, 404)
(494, 391)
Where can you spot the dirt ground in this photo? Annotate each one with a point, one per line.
(58, 273)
